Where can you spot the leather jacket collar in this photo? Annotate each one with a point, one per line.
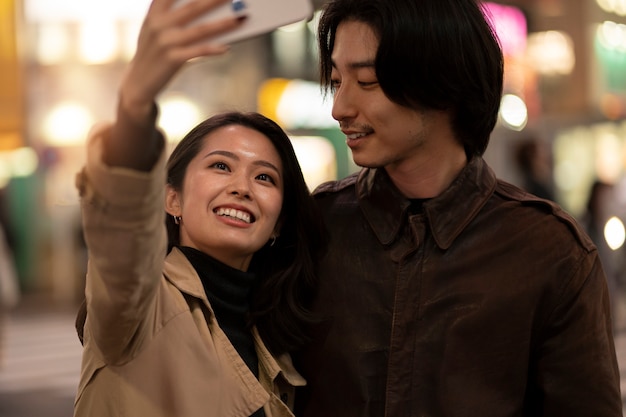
(448, 214)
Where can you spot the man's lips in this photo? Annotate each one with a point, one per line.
(355, 135)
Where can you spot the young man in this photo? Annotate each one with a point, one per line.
(445, 291)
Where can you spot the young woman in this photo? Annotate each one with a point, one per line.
(196, 317)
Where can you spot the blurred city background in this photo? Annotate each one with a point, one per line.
(561, 134)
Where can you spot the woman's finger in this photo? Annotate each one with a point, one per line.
(165, 45)
(183, 12)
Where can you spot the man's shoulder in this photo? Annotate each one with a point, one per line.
(553, 214)
(338, 186)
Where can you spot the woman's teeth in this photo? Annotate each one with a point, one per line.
(238, 214)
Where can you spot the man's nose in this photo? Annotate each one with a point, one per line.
(343, 103)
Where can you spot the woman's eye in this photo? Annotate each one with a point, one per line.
(334, 84)
(220, 165)
(266, 177)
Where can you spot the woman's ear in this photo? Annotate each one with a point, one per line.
(172, 201)
(278, 227)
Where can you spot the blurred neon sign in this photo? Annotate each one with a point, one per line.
(510, 26)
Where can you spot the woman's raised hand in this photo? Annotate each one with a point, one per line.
(166, 42)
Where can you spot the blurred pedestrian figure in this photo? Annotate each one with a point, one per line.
(620, 210)
(534, 161)
(9, 285)
(599, 209)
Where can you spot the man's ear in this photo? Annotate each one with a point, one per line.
(172, 201)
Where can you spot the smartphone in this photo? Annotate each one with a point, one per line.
(263, 16)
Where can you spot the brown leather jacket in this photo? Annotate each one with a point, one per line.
(491, 302)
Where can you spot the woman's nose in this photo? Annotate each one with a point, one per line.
(239, 186)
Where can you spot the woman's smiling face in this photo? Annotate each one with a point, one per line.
(232, 195)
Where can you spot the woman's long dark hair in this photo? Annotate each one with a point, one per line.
(287, 269)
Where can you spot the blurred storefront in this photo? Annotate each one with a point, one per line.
(18, 161)
(565, 84)
(571, 78)
(67, 58)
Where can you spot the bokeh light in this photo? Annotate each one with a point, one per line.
(614, 233)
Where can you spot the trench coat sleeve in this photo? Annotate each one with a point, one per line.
(123, 223)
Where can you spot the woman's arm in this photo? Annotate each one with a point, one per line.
(122, 185)
(165, 44)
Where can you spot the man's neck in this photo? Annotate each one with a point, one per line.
(430, 177)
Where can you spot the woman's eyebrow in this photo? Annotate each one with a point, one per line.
(223, 153)
(234, 156)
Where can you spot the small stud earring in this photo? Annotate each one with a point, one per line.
(272, 240)
(177, 219)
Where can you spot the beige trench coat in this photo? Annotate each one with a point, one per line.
(152, 345)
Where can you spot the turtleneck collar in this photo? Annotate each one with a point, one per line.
(220, 280)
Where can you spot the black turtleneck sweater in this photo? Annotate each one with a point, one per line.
(228, 291)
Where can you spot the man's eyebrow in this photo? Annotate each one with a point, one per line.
(357, 64)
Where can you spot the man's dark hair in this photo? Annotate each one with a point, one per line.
(439, 54)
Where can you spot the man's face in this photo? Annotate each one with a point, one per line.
(380, 132)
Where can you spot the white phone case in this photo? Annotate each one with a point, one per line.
(263, 16)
